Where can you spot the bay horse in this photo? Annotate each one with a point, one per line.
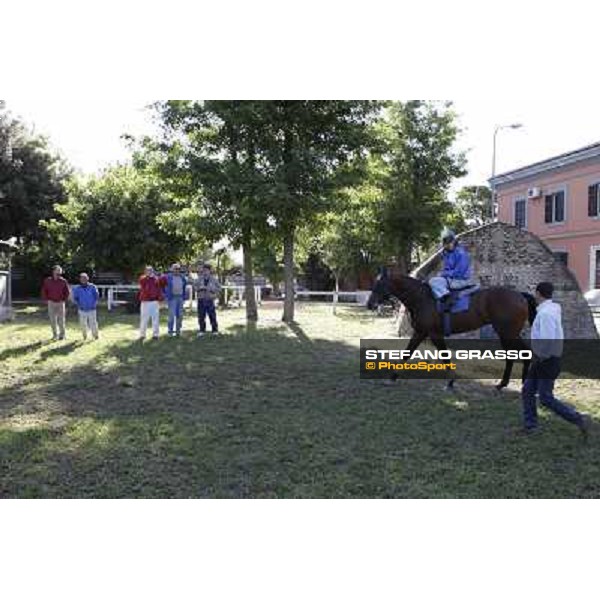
(506, 310)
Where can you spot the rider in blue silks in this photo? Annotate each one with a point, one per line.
(456, 273)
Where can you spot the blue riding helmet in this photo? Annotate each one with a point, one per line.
(448, 236)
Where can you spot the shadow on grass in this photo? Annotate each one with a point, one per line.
(257, 414)
(247, 328)
(353, 313)
(299, 333)
(19, 351)
(58, 349)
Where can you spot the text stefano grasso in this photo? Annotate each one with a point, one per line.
(499, 354)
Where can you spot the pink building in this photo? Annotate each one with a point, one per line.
(558, 200)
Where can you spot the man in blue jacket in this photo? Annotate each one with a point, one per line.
(85, 296)
(175, 284)
(456, 273)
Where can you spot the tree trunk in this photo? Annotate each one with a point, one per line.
(251, 310)
(403, 264)
(288, 275)
(403, 259)
(337, 289)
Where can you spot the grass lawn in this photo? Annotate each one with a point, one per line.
(273, 412)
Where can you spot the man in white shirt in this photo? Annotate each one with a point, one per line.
(547, 346)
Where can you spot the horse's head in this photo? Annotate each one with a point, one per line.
(380, 292)
(410, 291)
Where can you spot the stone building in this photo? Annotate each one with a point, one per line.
(508, 256)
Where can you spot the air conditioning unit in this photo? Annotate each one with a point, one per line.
(534, 192)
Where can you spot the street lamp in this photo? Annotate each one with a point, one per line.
(496, 130)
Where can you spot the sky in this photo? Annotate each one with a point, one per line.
(87, 131)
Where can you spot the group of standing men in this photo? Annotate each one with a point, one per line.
(172, 288)
(154, 288)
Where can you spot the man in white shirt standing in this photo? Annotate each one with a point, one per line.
(547, 345)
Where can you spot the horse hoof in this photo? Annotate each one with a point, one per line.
(498, 388)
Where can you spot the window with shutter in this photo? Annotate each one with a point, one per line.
(593, 202)
(521, 213)
(563, 257)
(554, 209)
(548, 209)
(559, 207)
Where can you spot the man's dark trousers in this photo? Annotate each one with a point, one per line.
(540, 379)
(207, 307)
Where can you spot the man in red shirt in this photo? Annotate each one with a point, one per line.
(150, 296)
(55, 291)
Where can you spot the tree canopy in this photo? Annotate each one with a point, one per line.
(474, 203)
(419, 163)
(31, 180)
(346, 184)
(210, 153)
(312, 149)
(112, 222)
(249, 169)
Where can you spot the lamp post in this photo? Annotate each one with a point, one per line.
(496, 130)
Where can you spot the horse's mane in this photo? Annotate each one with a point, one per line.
(409, 289)
(413, 293)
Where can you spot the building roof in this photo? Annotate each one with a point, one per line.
(562, 160)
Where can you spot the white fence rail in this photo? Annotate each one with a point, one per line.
(361, 297)
(110, 293)
(238, 291)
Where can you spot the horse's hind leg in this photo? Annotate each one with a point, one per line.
(526, 363)
(513, 344)
(506, 375)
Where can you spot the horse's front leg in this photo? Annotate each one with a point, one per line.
(414, 342)
(440, 343)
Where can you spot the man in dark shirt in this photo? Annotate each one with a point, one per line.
(207, 288)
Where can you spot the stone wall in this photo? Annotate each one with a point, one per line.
(508, 256)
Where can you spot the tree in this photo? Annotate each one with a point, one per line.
(268, 259)
(349, 236)
(31, 180)
(210, 153)
(111, 222)
(474, 202)
(310, 150)
(256, 168)
(418, 165)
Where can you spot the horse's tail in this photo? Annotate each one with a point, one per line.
(531, 306)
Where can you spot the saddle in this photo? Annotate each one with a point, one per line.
(456, 302)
